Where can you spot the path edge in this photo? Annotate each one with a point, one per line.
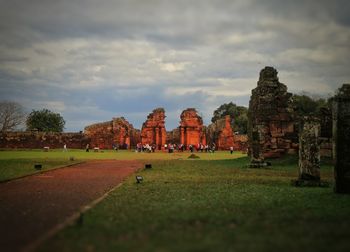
(72, 219)
(41, 172)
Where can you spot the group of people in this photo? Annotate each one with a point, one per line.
(145, 147)
(170, 147)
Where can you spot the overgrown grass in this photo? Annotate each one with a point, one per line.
(18, 163)
(214, 205)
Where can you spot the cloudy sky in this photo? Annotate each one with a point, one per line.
(93, 60)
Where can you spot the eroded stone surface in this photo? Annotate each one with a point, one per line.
(271, 130)
(341, 138)
(153, 129)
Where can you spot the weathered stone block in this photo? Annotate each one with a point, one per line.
(309, 150)
(341, 138)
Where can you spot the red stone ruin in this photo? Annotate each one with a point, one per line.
(191, 127)
(153, 129)
(221, 133)
(112, 133)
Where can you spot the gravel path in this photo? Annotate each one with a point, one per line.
(31, 206)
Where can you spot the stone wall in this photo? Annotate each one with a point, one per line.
(153, 129)
(38, 140)
(192, 131)
(118, 132)
(271, 129)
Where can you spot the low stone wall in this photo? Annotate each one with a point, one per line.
(38, 140)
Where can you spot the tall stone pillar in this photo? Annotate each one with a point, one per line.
(157, 137)
(182, 135)
(341, 139)
(187, 136)
(163, 137)
(309, 150)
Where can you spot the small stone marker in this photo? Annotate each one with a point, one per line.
(341, 139)
(38, 166)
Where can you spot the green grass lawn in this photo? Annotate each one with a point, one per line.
(213, 205)
(18, 163)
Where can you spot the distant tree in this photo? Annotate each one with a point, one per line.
(306, 105)
(45, 120)
(11, 115)
(237, 113)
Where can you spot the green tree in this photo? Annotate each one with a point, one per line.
(237, 113)
(305, 105)
(45, 120)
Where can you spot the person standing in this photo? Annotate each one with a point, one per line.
(65, 147)
(87, 148)
(231, 149)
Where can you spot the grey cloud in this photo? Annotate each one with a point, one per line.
(93, 60)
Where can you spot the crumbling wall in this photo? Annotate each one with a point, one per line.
(38, 140)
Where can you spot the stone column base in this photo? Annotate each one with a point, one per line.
(259, 164)
(309, 183)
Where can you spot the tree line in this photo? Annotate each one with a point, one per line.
(12, 114)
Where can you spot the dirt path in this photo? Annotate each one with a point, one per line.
(31, 206)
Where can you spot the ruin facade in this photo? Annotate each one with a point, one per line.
(153, 129)
(341, 138)
(192, 131)
(271, 129)
(116, 133)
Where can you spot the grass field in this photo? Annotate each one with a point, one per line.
(213, 205)
(15, 164)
